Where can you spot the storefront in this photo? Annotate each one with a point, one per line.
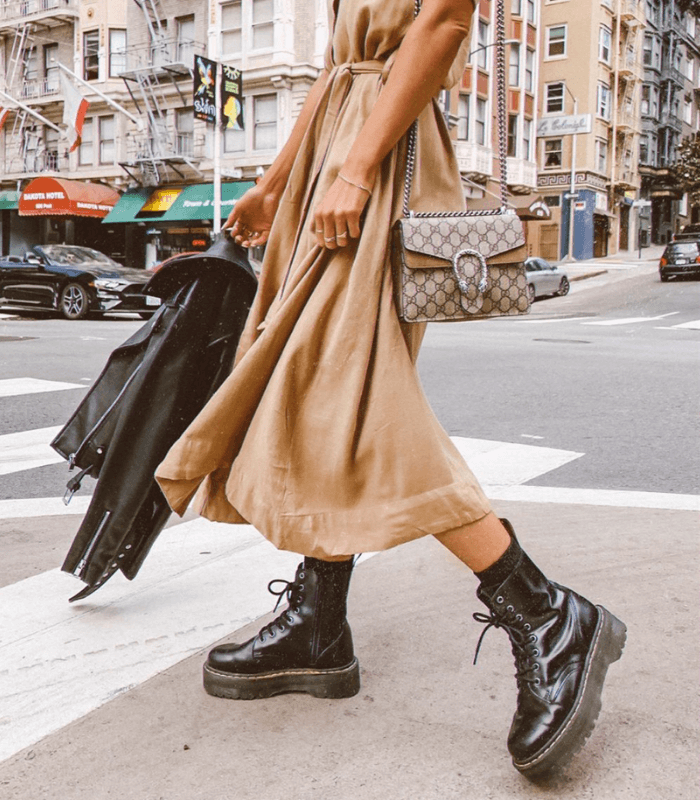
(8, 212)
(71, 212)
(168, 220)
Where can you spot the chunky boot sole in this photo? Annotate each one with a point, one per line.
(329, 683)
(608, 644)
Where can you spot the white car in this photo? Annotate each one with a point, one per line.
(544, 279)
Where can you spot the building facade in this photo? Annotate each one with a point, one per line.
(670, 112)
(133, 61)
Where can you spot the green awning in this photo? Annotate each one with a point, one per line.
(194, 202)
(197, 202)
(9, 200)
(128, 206)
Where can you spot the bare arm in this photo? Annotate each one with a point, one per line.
(438, 30)
(254, 212)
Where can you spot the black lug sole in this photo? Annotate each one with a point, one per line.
(608, 644)
(324, 683)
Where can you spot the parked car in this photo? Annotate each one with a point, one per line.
(691, 231)
(544, 279)
(75, 281)
(680, 259)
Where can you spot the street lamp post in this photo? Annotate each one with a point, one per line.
(572, 190)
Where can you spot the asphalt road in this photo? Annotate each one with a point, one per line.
(624, 394)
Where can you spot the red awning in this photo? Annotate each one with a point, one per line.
(56, 197)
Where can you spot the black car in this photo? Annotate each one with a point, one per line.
(76, 281)
(680, 259)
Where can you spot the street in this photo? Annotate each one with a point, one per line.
(581, 418)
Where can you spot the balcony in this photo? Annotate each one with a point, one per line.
(50, 13)
(674, 75)
(522, 173)
(626, 178)
(474, 160)
(671, 121)
(32, 163)
(627, 122)
(628, 67)
(171, 56)
(47, 89)
(631, 12)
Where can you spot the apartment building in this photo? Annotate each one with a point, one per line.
(133, 61)
(477, 135)
(588, 135)
(670, 112)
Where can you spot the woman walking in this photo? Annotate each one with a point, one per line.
(322, 437)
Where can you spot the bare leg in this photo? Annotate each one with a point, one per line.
(478, 545)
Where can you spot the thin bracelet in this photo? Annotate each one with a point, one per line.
(356, 185)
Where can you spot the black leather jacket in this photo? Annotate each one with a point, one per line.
(151, 388)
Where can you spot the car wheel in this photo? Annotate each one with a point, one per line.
(531, 293)
(564, 287)
(74, 302)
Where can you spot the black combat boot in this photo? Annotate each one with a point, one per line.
(308, 648)
(563, 645)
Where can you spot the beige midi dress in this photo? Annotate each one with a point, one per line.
(321, 437)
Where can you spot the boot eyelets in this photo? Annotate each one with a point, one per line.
(527, 626)
(519, 617)
(499, 600)
(536, 652)
(510, 608)
(533, 638)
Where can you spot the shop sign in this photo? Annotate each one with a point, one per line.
(159, 202)
(565, 125)
(205, 89)
(232, 98)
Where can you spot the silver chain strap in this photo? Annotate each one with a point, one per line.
(502, 135)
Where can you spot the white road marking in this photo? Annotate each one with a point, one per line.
(693, 325)
(27, 450)
(544, 321)
(13, 387)
(630, 320)
(44, 506)
(596, 497)
(530, 436)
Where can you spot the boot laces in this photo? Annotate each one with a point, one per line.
(521, 642)
(294, 592)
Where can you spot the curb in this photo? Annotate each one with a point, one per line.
(587, 275)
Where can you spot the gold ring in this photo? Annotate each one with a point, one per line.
(341, 235)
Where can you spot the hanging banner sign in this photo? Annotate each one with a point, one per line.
(232, 98)
(205, 89)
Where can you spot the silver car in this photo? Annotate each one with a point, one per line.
(544, 279)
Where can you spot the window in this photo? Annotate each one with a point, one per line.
(552, 153)
(85, 150)
(531, 10)
(30, 67)
(184, 131)
(185, 39)
(554, 97)
(603, 104)
(234, 141)
(647, 50)
(604, 44)
(107, 144)
(463, 117)
(552, 200)
(117, 52)
(688, 113)
(601, 155)
(232, 27)
(483, 43)
(556, 41)
(516, 8)
(265, 122)
(263, 25)
(644, 150)
(50, 148)
(52, 71)
(480, 122)
(91, 55)
(512, 135)
(529, 70)
(527, 139)
(514, 65)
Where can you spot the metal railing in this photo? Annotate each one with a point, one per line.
(35, 162)
(24, 9)
(163, 53)
(41, 87)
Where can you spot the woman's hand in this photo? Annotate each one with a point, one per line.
(252, 216)
(336, 218)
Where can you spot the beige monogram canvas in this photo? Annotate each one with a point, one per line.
(429, 267)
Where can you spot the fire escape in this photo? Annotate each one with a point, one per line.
(27, 151)
(628, 77)
(159, 79)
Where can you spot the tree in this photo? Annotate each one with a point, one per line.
(686, 171)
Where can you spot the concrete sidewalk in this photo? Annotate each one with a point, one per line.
(426, 724)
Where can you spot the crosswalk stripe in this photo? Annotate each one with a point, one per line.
(13, 387)
(27, 450)
(629, 320)
(43, 507)
(693, 325)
